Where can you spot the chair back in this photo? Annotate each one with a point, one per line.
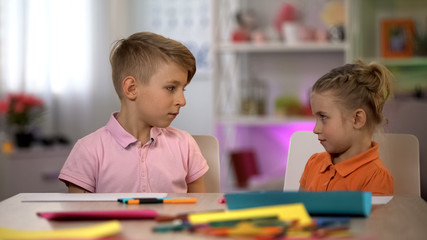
(209, 147)
(398, 152)
(302, 145)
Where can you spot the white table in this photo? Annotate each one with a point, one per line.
(401, 218)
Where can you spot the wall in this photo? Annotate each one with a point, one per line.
(189, 23)
(118, 19)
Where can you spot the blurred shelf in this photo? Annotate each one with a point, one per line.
(396, 62)
(282, 47)
(262, 120)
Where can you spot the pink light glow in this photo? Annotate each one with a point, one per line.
(269, 142)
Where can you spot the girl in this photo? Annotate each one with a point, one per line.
(347, 103)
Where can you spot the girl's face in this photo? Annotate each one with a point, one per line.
(333, 127)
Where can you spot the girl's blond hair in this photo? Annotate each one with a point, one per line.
(359, 85)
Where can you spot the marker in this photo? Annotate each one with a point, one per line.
(144, 201)
(125, 200)
(157, 200)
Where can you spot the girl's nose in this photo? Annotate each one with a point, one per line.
(316, 129)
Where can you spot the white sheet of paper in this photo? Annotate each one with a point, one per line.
(85, 197)
(378, 200)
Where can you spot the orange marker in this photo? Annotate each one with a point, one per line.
(180, 200)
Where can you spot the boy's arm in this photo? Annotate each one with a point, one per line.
(72, 188)
(198, 186)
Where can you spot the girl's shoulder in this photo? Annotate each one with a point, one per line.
(318, 159)
(319, 156)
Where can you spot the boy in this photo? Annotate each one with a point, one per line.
(137, 151)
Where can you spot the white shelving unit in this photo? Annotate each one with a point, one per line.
(281, 67)
(281, 47)
(261, 121)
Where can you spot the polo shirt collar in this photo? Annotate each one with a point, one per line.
(326, 162)
(154, 133)
(348, 166)
(122, 136)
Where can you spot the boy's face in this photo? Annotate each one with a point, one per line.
(333, 128)
(160, 100)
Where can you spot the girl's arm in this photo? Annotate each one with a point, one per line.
(197, 186)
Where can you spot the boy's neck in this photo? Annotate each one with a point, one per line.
(133, 127)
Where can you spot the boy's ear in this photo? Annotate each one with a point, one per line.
(359, 118)
(129, 87)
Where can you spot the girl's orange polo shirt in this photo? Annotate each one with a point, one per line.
(364, 172)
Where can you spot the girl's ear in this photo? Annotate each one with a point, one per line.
(359, 118)
(129, 87)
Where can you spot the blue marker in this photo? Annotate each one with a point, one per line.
(124, 200)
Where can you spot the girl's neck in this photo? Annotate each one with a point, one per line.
(359, 145)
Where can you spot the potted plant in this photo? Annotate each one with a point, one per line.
(21, 110)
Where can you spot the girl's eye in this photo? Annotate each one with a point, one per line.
(323, 117)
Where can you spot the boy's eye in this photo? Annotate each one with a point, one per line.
(171, 88)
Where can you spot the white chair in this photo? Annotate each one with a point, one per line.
(209, 147)
(399, 152)
(302, 145)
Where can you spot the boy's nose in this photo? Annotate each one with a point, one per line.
(181, 100)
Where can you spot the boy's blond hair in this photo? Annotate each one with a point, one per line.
(140, 55)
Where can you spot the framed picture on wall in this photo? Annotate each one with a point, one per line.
(397, 38)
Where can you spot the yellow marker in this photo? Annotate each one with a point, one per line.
(284, 212)
(97, 231)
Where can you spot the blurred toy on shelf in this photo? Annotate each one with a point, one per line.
(288, 106)
(285, 14)
(333, 16)
(253, 97)
(247, 25)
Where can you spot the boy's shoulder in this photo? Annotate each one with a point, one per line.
(174, 133)
(95, 136)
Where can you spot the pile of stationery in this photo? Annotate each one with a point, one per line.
(289, 220)
(272, 215)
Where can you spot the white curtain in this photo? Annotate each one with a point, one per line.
(58, 50)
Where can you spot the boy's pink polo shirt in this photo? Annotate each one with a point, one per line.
(112, 160)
